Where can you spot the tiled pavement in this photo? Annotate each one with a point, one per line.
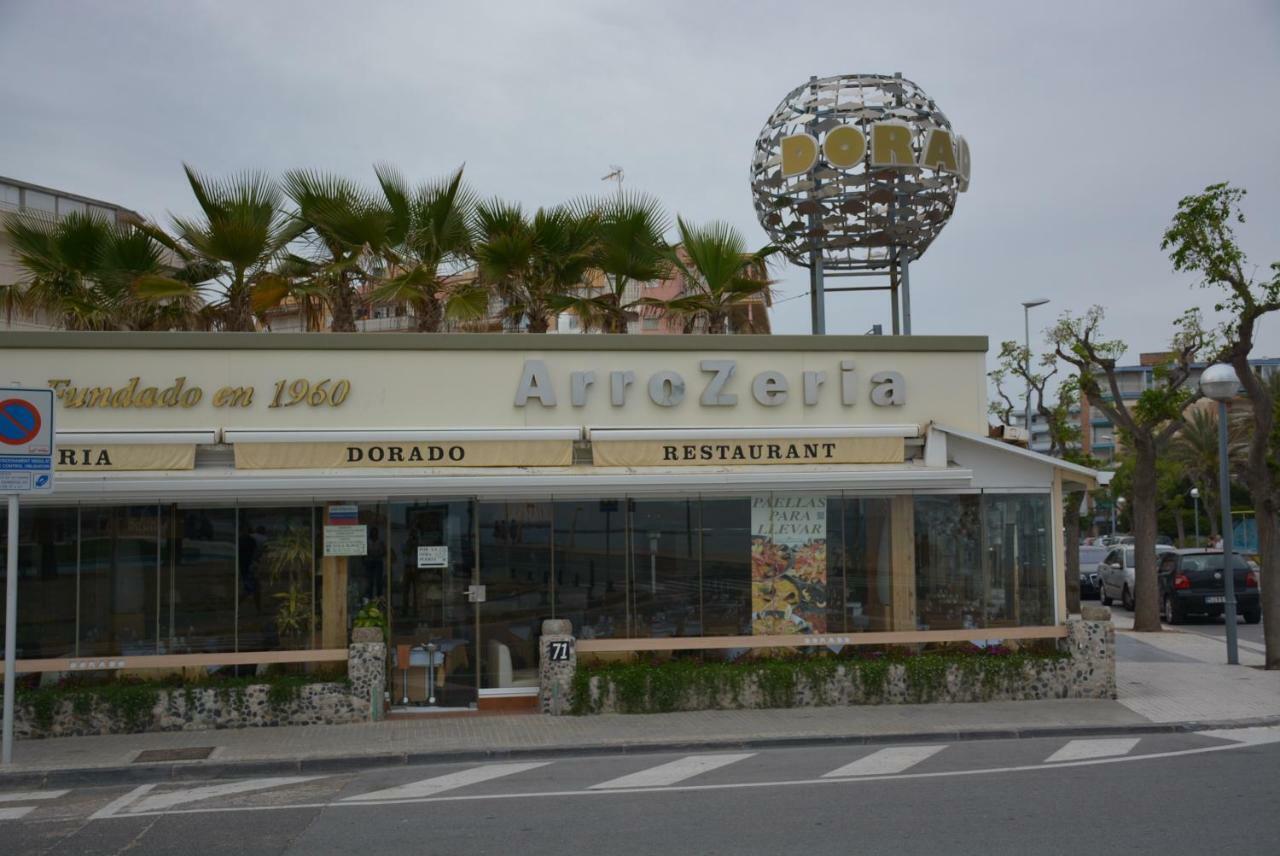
(1162, 678)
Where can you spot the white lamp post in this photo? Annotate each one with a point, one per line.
(1195, 497)
(1220, 383)
(1027, 306)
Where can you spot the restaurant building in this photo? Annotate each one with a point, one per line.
(239, 498)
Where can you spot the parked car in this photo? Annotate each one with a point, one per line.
(1115, 576)
(1090, 556)
(1192, 582)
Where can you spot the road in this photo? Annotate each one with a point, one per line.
(1164, 793)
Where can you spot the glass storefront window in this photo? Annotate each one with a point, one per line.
(591, 566)
(868, 570)
(198, 581)
(949, 566)
(1020, 576)
(276, 552)
(515, 569)
(665, 559)
(726, 567)
(344, 584)
(47, 544)
(119, 580)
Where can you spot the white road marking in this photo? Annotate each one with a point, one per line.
(675, 771)
(1079, 750)
(169, 799)
(16, 812)
(1240, 739)
(438, 784)
(29, 796)
(110, 809)
(894, 759)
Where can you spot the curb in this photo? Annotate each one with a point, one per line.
(202, 770)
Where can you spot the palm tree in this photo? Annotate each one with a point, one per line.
(1195, 450)
(631, 248)
(349, 227)
(431, 233)
(534, 264)
(242, 230)
(720, 274)
(90, 273)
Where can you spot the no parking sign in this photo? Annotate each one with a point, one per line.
(26, 440)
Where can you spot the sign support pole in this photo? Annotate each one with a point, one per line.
(10, 627)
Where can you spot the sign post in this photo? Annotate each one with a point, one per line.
(26, 466)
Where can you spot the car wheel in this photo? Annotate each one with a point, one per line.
(1126, 599)
(1172, 615)
(1102, 596)
(1252, 616)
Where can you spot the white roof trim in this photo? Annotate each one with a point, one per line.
(136, 438)
(443, 435)
(1037, 457)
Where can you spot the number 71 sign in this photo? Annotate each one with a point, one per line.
(559, 652)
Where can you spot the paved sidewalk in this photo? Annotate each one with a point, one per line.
(1166, 681)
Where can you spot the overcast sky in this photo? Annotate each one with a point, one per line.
(1087, 121)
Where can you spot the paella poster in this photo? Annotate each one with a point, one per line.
(788, 565)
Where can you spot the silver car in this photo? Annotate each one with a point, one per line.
(1115, 577)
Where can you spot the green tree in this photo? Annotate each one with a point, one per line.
(720, 274)
(90, 273)
(1201, 240)
(430, 237)
(348, 228)
(534, 263)
(1146, 426)
(240, 233)
(630, 248)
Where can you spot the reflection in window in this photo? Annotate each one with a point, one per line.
(46, 581)
(665, 568)
(948, 562)
(118, 580)
(726, 567)
(198, 590)
(868, 588)
(515, 568)
(1020, 573)
(276, 559)
(591, 566)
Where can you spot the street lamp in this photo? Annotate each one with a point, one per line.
(1118, 504)
(1027, 306)
(1220, 383)
(1195, 497)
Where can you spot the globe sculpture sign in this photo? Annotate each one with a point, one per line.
(855, 175)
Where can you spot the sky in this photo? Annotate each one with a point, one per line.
(1087, 121)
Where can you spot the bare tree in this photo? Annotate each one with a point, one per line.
(1201, 240)
(1146, 426)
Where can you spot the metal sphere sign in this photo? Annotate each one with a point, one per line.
(857, 168)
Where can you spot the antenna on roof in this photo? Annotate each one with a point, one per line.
(615, 174)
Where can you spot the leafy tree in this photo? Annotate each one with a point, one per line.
(1201, 240)
(630, 248)
(720, 274)
(240, 233)
(91, 273)
(1146, 426)
(534, 263)
(347, 227)
(431, 236)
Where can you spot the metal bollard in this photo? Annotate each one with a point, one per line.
(431, 675)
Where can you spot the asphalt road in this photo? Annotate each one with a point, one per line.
(1166, 794)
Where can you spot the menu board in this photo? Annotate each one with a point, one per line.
(788, 565)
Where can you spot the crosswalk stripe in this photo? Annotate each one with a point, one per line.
(168, 799)
(438, 784)
(672, 772)
(885, 762)
(110, 809)
(16, 812)
(1081, 750)
(31, 796)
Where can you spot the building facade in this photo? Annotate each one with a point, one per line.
(250, 494)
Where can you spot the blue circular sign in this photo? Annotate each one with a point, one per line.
(19, 422)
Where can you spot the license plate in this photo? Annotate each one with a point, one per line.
(1215, 599)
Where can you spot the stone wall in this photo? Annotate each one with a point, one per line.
(357, 699)
(1087, 671)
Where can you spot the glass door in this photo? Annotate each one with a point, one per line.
(432, 566)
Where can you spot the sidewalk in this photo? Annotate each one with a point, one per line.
(1167, 681)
